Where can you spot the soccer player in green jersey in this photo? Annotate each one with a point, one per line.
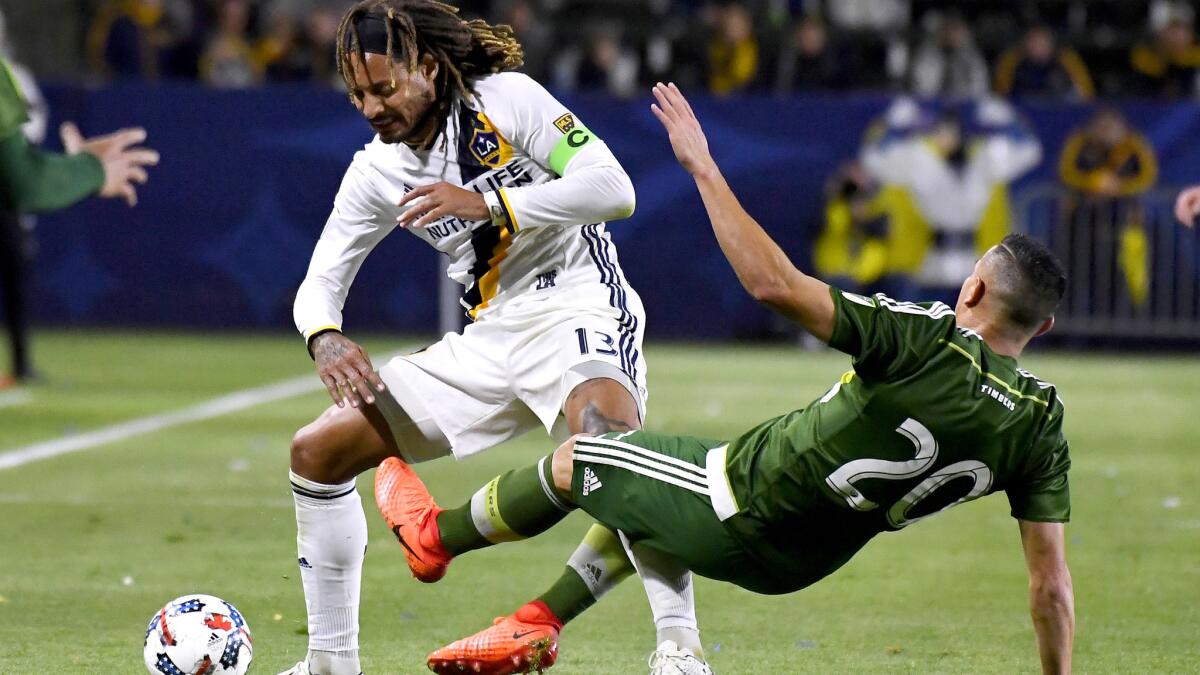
(33, 180)
(934, 413)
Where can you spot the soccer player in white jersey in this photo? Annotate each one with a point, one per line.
(488, 168)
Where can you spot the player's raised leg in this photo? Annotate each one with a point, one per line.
(668, 586)
(526, 508)
(517, 505)
(595, 406)
(669, 590)
(527, 639)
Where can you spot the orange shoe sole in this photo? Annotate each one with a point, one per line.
(539, 656)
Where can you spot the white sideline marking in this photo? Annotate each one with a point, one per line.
(9, 399)
(222, 405)
(211, 502)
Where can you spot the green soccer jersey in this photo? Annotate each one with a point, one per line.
(13, 110)
(929, 417)
(32, 180)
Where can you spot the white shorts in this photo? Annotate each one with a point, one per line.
(513, 370)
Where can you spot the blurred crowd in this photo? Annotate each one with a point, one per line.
(929, 192)
(1063, 49)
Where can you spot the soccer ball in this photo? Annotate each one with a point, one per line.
(198, 635)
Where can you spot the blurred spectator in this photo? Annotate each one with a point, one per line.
(1168, 66)
(603, 64)
(866, 241)
(228, 60)
(1040, 67)
(957, 169)
(732, 52)
(880, 16)
(126, 39)
(1107, 164)
(948, 63)
(808, 61)
(17, 245)
(32, 180)
(534, 33)
(674, 51)
(851, 251)
(36, 112)
(834, 44)
(283, 54)
(321, 34)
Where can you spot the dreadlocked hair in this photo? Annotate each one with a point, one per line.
(463, 49)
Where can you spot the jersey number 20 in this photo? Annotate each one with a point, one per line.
(843, 478)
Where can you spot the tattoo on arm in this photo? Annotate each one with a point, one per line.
(595, 422)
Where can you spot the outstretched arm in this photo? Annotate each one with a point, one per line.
(33, 180)
(1051, 600)
(761, 266)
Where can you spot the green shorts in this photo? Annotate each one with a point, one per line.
(653, 489)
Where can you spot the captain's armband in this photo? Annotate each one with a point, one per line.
(575, 137)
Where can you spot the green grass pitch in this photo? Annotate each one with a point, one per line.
(91, 544)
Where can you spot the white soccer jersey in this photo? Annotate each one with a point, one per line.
(549, 180)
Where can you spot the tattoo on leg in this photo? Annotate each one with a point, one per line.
(595, 422)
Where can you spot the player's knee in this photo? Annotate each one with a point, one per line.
(311, 456)
(562, 464)
(304, 450)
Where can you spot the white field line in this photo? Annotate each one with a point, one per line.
(16, 397)
(200, 502)
(222, 405)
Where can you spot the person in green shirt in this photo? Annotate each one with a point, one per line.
(935, 412)
(33, 180)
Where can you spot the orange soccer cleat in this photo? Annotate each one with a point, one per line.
(410, 511)
(524, 642)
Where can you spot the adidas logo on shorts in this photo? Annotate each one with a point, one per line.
(594, 572)
(590, 481)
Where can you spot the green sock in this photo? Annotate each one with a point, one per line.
(598, 565)
(516, 505)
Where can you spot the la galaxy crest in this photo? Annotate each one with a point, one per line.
(487, 145)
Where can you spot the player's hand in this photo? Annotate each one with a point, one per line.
(683, 129)
(1187, 205)
(345, 369)
(430, 203)
(123, 160)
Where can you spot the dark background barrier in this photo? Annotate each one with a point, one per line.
(224, 230)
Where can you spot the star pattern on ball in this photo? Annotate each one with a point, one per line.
(189, 606)
(232, 652)
(166, 666)
(152, 626)
(235, 615)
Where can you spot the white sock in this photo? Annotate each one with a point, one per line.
(671, 594)
(331, 541)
